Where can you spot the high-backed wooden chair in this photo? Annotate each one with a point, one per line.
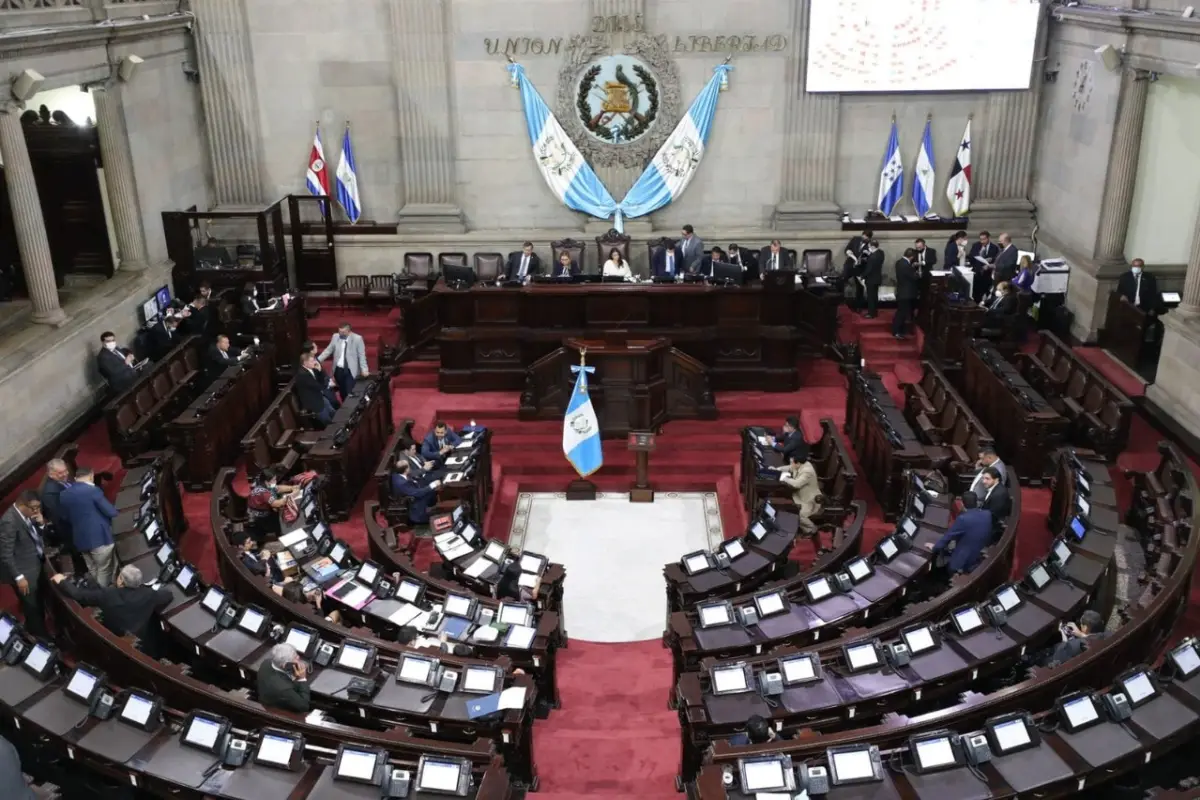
(419, 266)
(610, 240)
(354, 287)
(488, 265)
(816, 262)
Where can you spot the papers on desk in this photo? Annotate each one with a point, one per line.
(477, 567)
(513, 697)
(465, 444)
(456, 550)
(520, 637)
(456, 477)
(897, 218)
(939, 273)
(406, 615)
(294, 538)
(457, 461)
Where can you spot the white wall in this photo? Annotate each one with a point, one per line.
(1165, 205)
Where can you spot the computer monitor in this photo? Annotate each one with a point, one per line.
(1011, 733)
(410, 591)
(1037, 576)
(7, 626)
(818, 588)
(305, 640)
(697, 562)
(862, 656)
(1185, 659)
(480, 679)
(727, 274)
(1009, 598)
(734, 548)
(459, 276)
(715, 614)
(1060, 553)
(515, 614)
(764, 774)
(1078, 711)
(458, 605)
(859, 569)
(1078, 527)
(355, 657)
(934, 751)
(204, 732)
(800, 669)
(770, 603)
(1139, 686)
(731, 678)
(83, 683)
(443, 774)
(887, 549)
(163, 298)
(420, 670)
(253, 621)
(359, 765)
(966, 620)
(149, 311)
(279, 749)
(139, 710)
(854, 764)
(920, 638)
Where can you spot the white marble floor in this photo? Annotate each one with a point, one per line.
(614, 552)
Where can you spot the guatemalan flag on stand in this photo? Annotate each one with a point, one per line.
(581, 429)
(922, 191)
(676, 162)
(347, 181)
(958, 188)
(317, 176)
(570, 177)
(891, 177)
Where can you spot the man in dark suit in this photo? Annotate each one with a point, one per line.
(422, 496)
(439, 442)
(164, 336)
(907, 290)
(1006, 261)
(958, 254)
(971, 532)
(12, 778)
(283, 681)
(924, 259)
(250, 304)
(856, 251)
(314, 389)
(58, 530)
(221, 355)
(691, 248)
(128, 606)
(421, 470)
(983, 260)
(524, 264)
(871, 275)
(116, 363)
(1076, 638)
(668, 261)
(993, 497)
(90, 516)
(1004, 305)
(740, 257)
(791, 444)
(1140, 288)
(565, 266)
(773, 258)
(21, 552)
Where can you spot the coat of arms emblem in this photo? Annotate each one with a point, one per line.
(617, 99)
(554, 155)
(681, 157)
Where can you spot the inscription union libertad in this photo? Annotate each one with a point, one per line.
(519, 46)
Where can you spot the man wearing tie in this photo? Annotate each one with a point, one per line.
(983, 260)
(1006, 262)
(987, 458)
(439, 443)
(349, 359)
(1140, 288)
(907, 290)
(735, 257)
(21, 553)
(524, 264)
(774, 258)
(691, 248)
(421, 470)
(855, 253)
(220, 356)
(871, 275)
(115, 364)
(668, 261)
(164, 336)
(314, 392)
(422, 496)
(924, 259)
(1004, 305)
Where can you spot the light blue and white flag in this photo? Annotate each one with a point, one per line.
(676, 162)
(581, 429)
(922, 191)
(347, 181)
(567, 174)
(891, 177)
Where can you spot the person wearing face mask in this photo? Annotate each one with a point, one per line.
(267, 497)
(116, 364)
(313, 389)
(1003, 306)
(164, 336)
(349, 359)
(1140, 289)
(957, 251)
(871, 275)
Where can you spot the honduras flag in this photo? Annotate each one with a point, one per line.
(923, 180)
(677, 160)
(347, 181)
(581, 429)
(567, 174)
(891, 177)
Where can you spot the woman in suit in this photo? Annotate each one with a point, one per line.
(617, 266)
(566, 267)
(1025, 274)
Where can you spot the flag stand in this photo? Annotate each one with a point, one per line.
(581, 490)
(642, 444)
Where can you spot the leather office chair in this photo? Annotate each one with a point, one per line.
(488, 266)
(816, 262)
(610, 240)
(653, 248)
(419, 267)
(572, 246)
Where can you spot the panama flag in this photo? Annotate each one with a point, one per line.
(567, 174)
(581, 429)
(891, 177)
(922, 192)
(958, 189)
(676, 162)
(317, 177)
(347, 181)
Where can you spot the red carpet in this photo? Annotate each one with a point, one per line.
(614, 737)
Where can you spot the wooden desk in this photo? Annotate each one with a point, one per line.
(1132, 335)
(208, 432)
(749, 337)
(476, 491)
(829, 457)
(952, 323)
(285, 328)
(136, 416)
(347, 451)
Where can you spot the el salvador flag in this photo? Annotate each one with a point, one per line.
(923, 180)
(567, 174)
(677, 160)
(891, 177)
(581, 429)
(347, 181)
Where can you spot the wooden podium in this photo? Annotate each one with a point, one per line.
(642, 443)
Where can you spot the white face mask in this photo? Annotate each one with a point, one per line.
(110, 345)
(1137, 270)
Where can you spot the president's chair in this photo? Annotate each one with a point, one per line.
(572, 246)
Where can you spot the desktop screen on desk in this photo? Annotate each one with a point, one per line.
(408, 591)
(352, 657)
(367, 573)
(714, 614)
(357, 765)
(729, 679)
(6, 629)
(439, 776)
(37, 659)
(414, 669)
(275, 750)
(919, 640)
(863, 656)
(1008, 598)
(457, 605)
(251, 621)
(483, 680)
(852, 765)
(763, 775)
(1080, 711)
(798, 669)
(137, 709)
(1186, 659)
(202, 733)
(298, 639)
(1011, 735)
(934, 753)
(82, 683)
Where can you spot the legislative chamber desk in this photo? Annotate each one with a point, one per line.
(749, 337)
(347, 451)
(1132, 335)
(285, 328)
(952, 321)
(886, 445)
(208, 432)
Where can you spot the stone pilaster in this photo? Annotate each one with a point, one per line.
(810, 143)
(421, 74)
(1191, 282)
(230, 102)
(1122, 171)
(28, 223)
(118, 177)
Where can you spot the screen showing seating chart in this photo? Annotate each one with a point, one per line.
(439, 776)
(920, 45)
(854, 765)
(918, 640)
(213, 599)
(357, 765)
(275, 749)
(81, 685)
(482, 680)
(762, 776)
(1008, 598)
(729, 679)
(137, 710)
(415, 670)
(934, 753)
(968, 619)
(1187, 661)
(1138, 687)
(1080, 711)
(203, 733)
(716, 614)
(299, 639)
(862, 656)
(6, 629)
(858, 569)
(352, 657)
(1011, 735)
(798, 670)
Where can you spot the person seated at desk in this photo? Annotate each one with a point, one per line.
(988, 457)
(439, 443)
(716, 255)
(524, 264)
(736, 255)
(801, 476)
(220, 356)
(164, 335)
(970, 533)
(116, 364)
(421, 470)
(1140, 288)
(314, 390)
(259, 560)
(993, 496)
(790, 442)
(283, 681)
(250, 304)
(1075, 639)
(667, 261)
(566, 267)
(13, 785)
(1025, 275)
(758, 731)
(423, 497)
(1004, 306)
(267, 498)
(128, 606)
(617, 266)
(509, 586)
(774, 258)
(294, 592)
(958, 254)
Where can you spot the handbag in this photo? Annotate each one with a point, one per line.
(290, 512)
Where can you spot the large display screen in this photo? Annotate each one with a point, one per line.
(920, 45)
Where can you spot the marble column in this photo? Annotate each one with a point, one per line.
(227, 91)
(1122, 171)
(28, 223)
(422, 81)
(118, 178)
(810, 144)
(1191, 282)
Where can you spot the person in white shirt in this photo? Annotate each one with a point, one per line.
(617, 266)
